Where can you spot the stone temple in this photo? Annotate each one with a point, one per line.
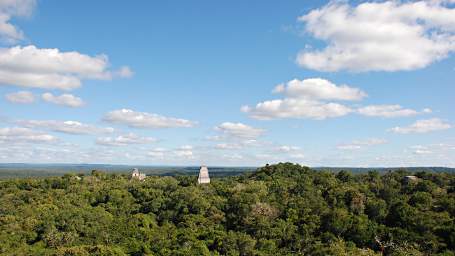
(203, 175)
(137, 175)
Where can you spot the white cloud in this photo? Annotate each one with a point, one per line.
(370, 142)
(253, 142)
(287, 149)
(427, 110)
(308, 99)
(389, 111)
(68, 100)
(22, 97)
(418, 147)
(228, 146)
(236, 143)
(296, 108)
(359, 144)
(239, 130)
(422, 152)
(186, 147)
(184, 154)
(15, 135)
(145, 120)
(349, 146)
(30, 66)
(124, 72)
(13, 8)
(124, 140)
(70, 127)
(400, 35)
(423, 126)
(319, 89)
(305, 99)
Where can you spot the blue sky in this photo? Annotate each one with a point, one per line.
(189, 83)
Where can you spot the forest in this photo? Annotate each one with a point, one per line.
(281, 209)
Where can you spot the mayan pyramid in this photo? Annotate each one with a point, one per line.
(203, 175)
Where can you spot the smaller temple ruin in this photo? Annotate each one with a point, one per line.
(137, 175)
(411, 179)
(203, 175)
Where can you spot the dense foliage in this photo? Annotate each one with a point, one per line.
(282, 209)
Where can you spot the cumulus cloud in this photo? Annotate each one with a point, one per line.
(186, 147)
(319, 89)
(423, 126)
(389, 111)
(145, 120)
(124, 140)
(306, 99)
(183, 152)
(421, 150)
(13, 8)
(65, 99)
(21, 97)
(239, 130)
(188, 154)
(286, 149)
(30, 66)
(296, 108)
(310, 99)
(401, 35)
(228, 146)
(69, 127)
(359, 144)
(24, 135)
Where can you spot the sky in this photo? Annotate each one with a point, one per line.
(228, 83)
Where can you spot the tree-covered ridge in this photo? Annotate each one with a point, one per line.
(282, 209)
